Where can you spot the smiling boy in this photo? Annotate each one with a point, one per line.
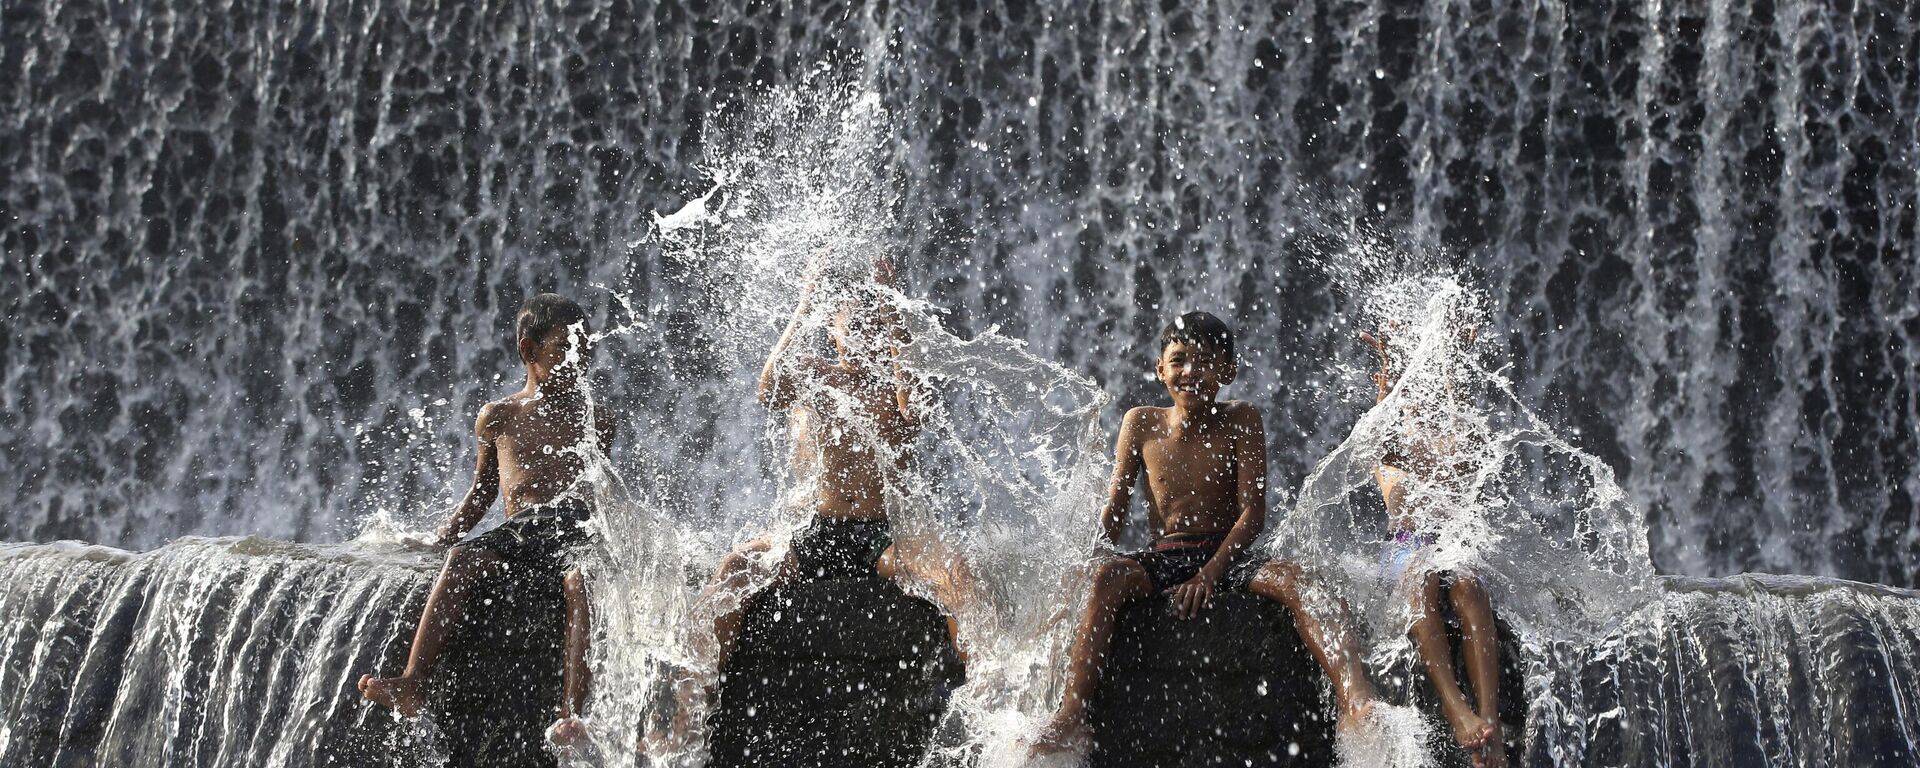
(1205, 462)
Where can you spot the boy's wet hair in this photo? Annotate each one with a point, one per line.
(545, 312)
(1200, 329)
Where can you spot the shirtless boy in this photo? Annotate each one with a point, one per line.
(853, 421)
(1432, 457)
(536, 445)
(1205, 462)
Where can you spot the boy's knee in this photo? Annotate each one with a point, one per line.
(735, 562)
(1467, 587)
(1280, 574)
(575, 583)
(1422, 621)
(1117, 576)
(746, 555)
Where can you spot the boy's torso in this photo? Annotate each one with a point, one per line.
(543, 445)
(1193, 481)
(851, 467)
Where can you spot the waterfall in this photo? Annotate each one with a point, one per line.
(217, 652)
(257, 261)
(239, 652)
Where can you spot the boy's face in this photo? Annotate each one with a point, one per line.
(1193, 374)
(853, 333)
(561, 353)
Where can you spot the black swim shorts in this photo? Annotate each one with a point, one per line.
(1171, 563)
(830, 548)
(546, 538)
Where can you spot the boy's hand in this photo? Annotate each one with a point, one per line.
(816, 270)
(1194, 595)
(1383, 378)
(424, 543)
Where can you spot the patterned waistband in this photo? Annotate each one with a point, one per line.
(569, 507)
(1404, 536)
(1195, 542)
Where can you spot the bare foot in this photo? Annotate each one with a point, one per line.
(1470, 730)
(567, 733)
(401, 694)
(1066, 733)
(1353, 712)
(1493, 753)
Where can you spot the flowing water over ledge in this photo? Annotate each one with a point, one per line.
(243, 652)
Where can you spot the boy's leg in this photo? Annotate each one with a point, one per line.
(578, 676)
(1482, 637)
(446, 605)
(1430, 637)
(725, 599)
(1325, 628)
(1116, 582)
(954, 586)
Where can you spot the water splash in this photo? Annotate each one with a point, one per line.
(1482, 486)
(1491, 489)
(1391, 736)
(994, 487)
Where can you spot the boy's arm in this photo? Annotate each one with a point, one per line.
(1126, 473)
(776, 389)
(1383, 378)
(1250, 457)
(887, 317)
(905, 382)
(486, 481)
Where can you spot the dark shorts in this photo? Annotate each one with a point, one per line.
(840, 549)
(547, 538)
(1170, 564)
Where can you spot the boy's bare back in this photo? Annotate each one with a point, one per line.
(1200, 472)
(851, 466)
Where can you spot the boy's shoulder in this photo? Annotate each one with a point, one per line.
(1240, 410)
(1234, 409)
(1144, 417)
(496, 416)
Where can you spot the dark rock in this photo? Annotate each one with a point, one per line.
(1230, 687)
(499, 683)
(834, 672)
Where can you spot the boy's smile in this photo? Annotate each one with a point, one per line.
(1193, 374)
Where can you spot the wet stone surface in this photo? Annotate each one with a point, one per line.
(834, 672)
(1231, 687)
(499, 687)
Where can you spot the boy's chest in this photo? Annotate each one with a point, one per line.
(1190, 459)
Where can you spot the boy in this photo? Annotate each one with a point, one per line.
(1206, 469)
(853, 422)
(1433, 459)
(536, 443)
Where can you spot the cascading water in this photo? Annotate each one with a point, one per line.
(257, 260)
(258, 263)
(995, 485)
